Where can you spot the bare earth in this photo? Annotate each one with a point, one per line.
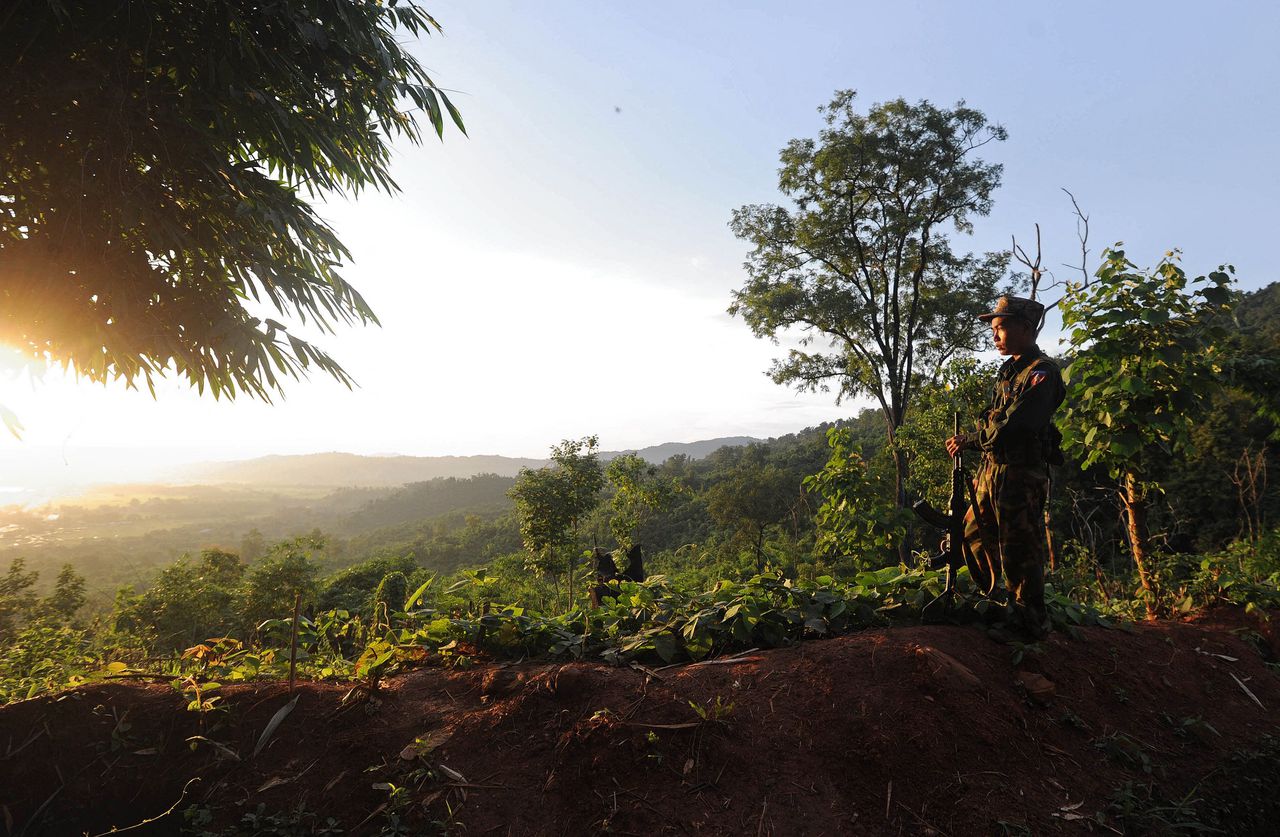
(905, 731)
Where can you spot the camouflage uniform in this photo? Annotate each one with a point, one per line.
(1004, 533)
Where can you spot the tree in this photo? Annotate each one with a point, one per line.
(288, 570)
(253, 545)
(352, 589)
(551, 501)
(1145, 359)
(67, 596)
(751, 498)
(965, 387)
(639, 492)
(856, 519)
(187, 603)
(157, 158)
(861, 264)
(16, 597)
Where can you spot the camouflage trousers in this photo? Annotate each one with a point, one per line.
(1004, 534)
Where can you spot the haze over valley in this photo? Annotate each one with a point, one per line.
(118, 533)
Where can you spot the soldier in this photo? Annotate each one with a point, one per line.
(1004, 532)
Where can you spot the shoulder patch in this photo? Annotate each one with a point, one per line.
(1037, 376)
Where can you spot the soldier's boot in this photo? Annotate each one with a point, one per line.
(994, 609)
(1026, 620)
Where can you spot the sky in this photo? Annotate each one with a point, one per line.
(565, 269)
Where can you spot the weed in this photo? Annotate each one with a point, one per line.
(654, 754)
(298, 822)
(1240, 795)
(397, 795)
(1142, 811)
(1124, 749)
(199, 700)
(1073, 720)
(1257, 642)
(1188, 726)
(1020, 650)
(714, 712)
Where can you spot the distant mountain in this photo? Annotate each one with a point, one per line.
(657, 454)
(349, 469)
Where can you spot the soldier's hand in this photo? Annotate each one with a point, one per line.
(955, 444)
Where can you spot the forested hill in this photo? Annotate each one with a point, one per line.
(349, 469)
(121, 534)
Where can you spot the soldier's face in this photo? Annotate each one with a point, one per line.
(1011, 335)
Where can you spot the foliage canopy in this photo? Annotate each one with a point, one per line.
(1147, 358)
(550, 502)
(862, 262)
(156, 161)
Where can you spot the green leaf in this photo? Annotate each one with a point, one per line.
(276, 107)
(1216, 295)
(418, 594)
(664, 645)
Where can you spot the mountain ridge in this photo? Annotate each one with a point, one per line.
(335, 468)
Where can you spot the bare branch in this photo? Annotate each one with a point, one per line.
(1021, 255)
(1036, 272)
(1082, 233)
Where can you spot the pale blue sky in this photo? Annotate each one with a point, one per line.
(565, 270)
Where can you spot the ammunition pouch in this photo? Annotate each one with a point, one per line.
(1042, 449)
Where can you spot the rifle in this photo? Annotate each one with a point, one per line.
(952, 555)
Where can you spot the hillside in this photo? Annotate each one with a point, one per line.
(349, 469)
(119, 535)
(902, 731)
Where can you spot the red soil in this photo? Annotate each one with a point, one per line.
(921, 730)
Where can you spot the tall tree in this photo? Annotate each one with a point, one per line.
(187, 602)
(639, 493)
(856, 523)
(157, 158)
(753, 496)
(861, 264)
(67, 596)
(17, 599)
(552, 501)
(1147, 353)
(290, 568)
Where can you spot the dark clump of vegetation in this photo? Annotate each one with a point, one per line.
(1237, 798)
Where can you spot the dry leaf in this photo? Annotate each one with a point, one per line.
(273, 783)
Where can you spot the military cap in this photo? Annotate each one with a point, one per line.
(1016, 306)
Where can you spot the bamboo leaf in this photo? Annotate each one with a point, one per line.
(274, 724)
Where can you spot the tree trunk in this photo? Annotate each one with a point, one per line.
(572, 561)
(555, 576)
(900, 471)
(1048, 524)
(1135, 505)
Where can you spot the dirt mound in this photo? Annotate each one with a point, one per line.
(924, 730)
